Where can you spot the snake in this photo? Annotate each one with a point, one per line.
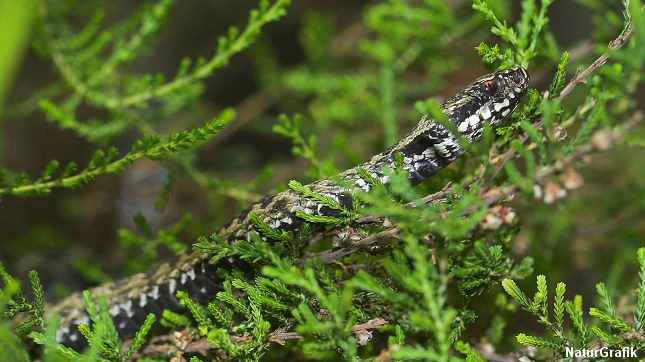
(425, 150)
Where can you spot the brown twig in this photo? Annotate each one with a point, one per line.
(179, 343)
(615, 44)
(610, 138)
(487, 351)
(330, 256)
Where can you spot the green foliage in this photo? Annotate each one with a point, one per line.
(331, 317)
(615, 331)
(522, 41)
(436, 272)
(305, 148)
(15, 19)
(152, 147)
(483, 265)
(640, 309)
(471, 354)
(558, 80)
(240, 326)
(14, 301)
(421, 290)
(333, 204)
(144, 249)
(453, 219)
(88, 60)
(101, 336)
(79, 55)
(269, 232)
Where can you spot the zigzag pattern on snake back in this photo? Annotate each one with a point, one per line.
(425, 150)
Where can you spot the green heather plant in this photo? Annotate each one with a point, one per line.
(436, 264)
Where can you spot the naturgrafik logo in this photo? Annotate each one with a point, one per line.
(603, 352)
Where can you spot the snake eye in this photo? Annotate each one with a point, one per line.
(489, 86)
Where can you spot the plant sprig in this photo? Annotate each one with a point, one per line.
(615, 331)
(102, 162)
(81, 60)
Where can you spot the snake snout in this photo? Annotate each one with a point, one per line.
(519, 77)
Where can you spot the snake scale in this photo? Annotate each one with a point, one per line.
(424, 151)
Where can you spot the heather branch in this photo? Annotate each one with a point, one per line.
(105, 163)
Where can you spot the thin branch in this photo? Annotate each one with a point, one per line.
(615, 44)
(330, 256)
(488, 352)
(181, 342)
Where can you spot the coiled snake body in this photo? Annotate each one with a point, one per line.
(425, 150)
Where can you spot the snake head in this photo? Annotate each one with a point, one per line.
(506, 84)
(490, 98)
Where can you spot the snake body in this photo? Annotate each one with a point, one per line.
(424, 151)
